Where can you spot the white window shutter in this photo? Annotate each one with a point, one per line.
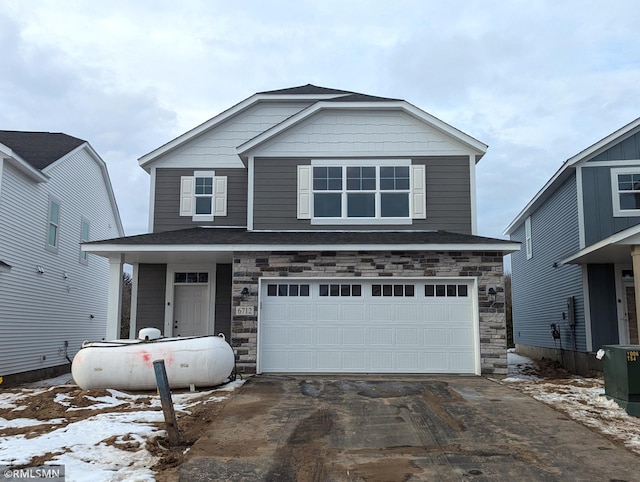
(220, 196)
(304, 192)
(418, 192)
(186, 195)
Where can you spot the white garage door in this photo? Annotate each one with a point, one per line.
(367, 326)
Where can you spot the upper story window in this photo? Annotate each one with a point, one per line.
(625, 188)
(53, 226)
(527, 237)
(361, 191)
(203, 196)
(84, 237)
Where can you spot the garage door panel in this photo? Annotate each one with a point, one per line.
(380, 312)
(436, 337)
(354, 336)
(394, 333)
(353, 312)
(354, 360)
(382, 361)
(327, 312)
(328, 335)
(408, 337)
(381, 336)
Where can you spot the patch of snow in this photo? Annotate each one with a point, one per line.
(28, 422)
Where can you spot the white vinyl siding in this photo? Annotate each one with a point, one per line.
(203, 196)
(40, 312)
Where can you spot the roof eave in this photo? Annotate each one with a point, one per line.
(22, 165)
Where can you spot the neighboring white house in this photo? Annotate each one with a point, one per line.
(55, 193)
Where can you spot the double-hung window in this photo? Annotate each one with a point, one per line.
(203, 196)
(84, 237)
(53, 226)
(364, 191)
(625, 188)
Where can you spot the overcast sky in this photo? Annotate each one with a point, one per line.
(538, 81)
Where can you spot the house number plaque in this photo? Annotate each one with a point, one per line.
(244, 310)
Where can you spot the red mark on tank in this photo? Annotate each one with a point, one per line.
(146, 358)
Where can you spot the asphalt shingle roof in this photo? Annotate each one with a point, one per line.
(343, 95)
(240, 237)
(39, 148)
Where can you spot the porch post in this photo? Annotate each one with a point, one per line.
(114, 302)
(635, 256)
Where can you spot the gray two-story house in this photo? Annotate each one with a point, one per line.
(322, 231)
(581, 234)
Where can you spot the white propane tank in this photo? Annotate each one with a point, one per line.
(202, 361)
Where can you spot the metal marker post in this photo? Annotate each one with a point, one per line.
(167, 403)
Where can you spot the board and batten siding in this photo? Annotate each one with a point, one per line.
(218, 147)
(540, 285)
(448, 196)
(167, 200)
(68, 301)
(599, 221)
(152, 287)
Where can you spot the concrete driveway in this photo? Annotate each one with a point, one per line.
(408, 429)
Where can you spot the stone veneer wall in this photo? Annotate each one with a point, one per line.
(487, 267)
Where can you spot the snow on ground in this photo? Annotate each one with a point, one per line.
(105, 435)
(89, 446)
(582, 399)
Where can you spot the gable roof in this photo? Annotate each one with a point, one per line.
(39, 149)
(315, 94)
(567, 168)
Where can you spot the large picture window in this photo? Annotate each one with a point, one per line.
(625, 188)
(361, 191)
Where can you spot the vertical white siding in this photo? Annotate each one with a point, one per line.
(39, 312)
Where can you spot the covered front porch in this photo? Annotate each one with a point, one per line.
(611, 268)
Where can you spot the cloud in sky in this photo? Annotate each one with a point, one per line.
(537, 81)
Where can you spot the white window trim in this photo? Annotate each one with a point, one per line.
(84, 255)
(218, 196)
(49, 247)
(306, 193)
(615, 193)
(206, 174)
(527, 237)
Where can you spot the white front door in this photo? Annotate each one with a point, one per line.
(191, 310)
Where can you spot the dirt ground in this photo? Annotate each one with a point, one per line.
(191, 425)
(44, 407)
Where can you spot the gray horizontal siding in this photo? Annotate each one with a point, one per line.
(448, 196)
(539, 289)
(151, 296)
(167, 200)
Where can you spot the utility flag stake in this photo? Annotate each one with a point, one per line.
(167, 403)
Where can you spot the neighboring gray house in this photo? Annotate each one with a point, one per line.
(54, 194)
(322, 231)
(581, 233)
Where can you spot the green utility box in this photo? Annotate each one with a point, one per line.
(622, 376)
